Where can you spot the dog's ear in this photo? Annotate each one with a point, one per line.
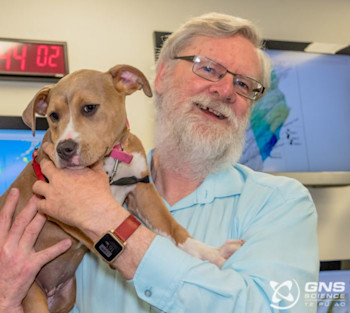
(38, 105)
(128, 79)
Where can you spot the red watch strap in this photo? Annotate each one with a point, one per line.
(125, 229)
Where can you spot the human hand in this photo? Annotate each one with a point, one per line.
(19, 262)
(74, 197)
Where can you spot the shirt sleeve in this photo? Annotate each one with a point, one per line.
(281, 246)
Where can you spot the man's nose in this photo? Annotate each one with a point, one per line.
(223, 89)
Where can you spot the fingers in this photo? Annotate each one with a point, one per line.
(41, 206)
(40, 188)
(22, 221)
(52, 252)
(32, 231)
(7, 211)
(49, 149)
(48, 168)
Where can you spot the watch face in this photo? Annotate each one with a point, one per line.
(109, 247)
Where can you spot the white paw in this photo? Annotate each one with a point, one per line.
(230, 247)
(214, 255)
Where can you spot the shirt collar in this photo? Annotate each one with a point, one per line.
(224, 183)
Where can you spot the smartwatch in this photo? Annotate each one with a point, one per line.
(112, 243)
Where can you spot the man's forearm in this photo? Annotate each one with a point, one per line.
(135, 249)
(136, 246)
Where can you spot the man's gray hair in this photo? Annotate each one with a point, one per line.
(214, 25)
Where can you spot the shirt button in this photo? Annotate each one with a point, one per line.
(148, 293)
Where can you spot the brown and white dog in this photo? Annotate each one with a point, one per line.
(87, 120)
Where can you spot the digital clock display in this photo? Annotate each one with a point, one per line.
(29, 59)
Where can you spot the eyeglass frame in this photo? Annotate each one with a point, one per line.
(191, 58)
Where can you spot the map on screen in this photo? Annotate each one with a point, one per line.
(16, 148)
(301, 125)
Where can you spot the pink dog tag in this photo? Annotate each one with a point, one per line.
(118, 154)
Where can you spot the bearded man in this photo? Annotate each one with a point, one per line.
(209, 74)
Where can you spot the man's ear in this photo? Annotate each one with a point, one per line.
(158, 83)
(38, 105)
(128, 79)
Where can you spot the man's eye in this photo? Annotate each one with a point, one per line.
(54, 117)
(242, 84)
(208, 71)
(89, 109)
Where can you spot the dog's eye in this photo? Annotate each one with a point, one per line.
(54, 117)
(89, 109)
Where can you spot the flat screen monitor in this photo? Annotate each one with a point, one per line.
(301, 127)
(333, 288)
(334, 292)
(16, 147)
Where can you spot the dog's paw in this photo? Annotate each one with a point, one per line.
(217, 256)
(230, 247)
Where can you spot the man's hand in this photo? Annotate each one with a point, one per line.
(19, 262)
(75, 197)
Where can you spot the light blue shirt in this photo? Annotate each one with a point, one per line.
(274, 215)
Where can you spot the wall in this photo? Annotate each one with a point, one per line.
(333, 206)
(103, 33)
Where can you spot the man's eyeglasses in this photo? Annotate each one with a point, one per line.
(210, 70)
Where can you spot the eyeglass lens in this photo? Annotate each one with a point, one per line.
(212, 71)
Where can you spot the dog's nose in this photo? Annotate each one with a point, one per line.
(66, 149)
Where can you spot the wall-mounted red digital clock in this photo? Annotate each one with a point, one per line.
(22, 59)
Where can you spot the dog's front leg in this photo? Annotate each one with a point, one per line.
(35, 301)
(144, 202)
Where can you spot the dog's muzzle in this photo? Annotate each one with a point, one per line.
(67, 149)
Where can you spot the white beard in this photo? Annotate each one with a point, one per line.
(186, 143)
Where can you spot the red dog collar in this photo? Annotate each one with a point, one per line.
(37, 168)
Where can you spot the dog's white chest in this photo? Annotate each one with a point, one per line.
(136, 168)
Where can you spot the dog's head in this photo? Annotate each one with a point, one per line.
(86, 113)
